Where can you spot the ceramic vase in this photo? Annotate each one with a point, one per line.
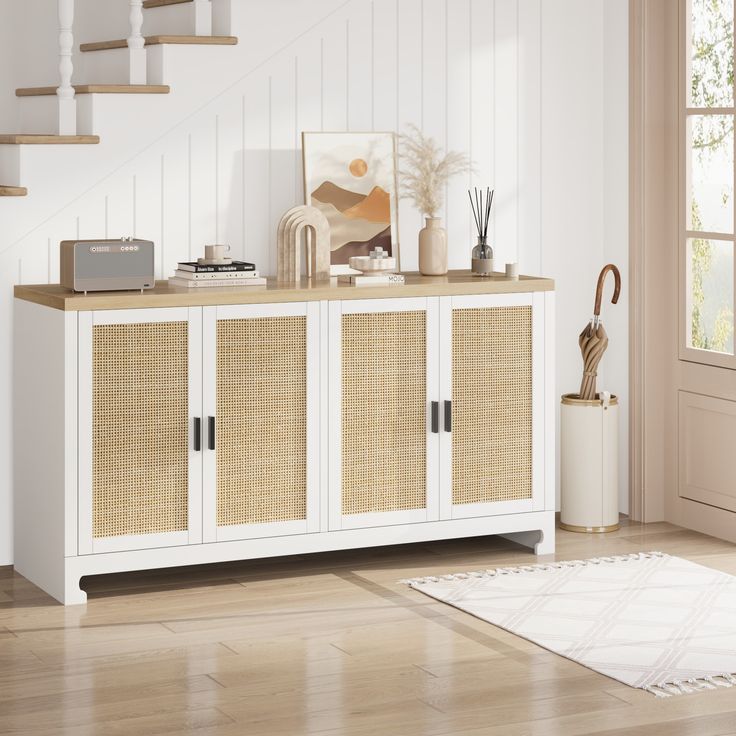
(433, 248)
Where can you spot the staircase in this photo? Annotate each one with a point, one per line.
(76, 114)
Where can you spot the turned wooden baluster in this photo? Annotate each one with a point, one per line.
(136, 44)
(67, 123)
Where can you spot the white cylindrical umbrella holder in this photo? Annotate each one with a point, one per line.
(589, 464)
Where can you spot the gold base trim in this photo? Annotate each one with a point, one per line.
(589, 529)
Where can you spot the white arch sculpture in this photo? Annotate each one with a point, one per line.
(289, 241)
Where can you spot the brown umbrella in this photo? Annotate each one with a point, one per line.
(593, 339)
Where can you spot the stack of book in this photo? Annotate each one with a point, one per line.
(235, 273)
(380, 279)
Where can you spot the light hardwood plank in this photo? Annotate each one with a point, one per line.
(147, 4)
(122, 43)
(33, 139)
(6, 191)
(165, 295)
(328, 644)
(98, 89)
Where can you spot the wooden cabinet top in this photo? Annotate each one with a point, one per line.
(164, 295)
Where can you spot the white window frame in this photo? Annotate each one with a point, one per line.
(687, 353)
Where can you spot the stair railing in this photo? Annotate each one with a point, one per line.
(67, 122)
(136, 44)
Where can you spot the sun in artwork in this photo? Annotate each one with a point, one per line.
(358, 167)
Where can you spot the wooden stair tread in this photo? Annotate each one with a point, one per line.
(99, 89)
(46, 139)
(157, 40)
(7, 191)
(163, 3)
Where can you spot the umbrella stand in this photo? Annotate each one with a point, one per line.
(589, 434)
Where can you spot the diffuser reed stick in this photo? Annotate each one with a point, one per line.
(481, 203)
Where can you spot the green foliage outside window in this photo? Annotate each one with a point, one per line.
(711, 85)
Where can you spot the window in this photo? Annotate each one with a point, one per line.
(709, 217)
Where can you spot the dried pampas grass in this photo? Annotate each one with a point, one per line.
(425, 171)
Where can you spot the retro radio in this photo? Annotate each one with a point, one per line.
(107, 265)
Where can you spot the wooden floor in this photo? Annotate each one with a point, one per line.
(327, 644)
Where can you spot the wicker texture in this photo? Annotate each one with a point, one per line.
(384, 429)
(140, 439)
(261, 440)
(491, 404)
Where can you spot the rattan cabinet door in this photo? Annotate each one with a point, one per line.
(262, 398)
(383, 381)
(140, 390)
(493, 442)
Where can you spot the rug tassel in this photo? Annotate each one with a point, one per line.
(717, 683)
(685, 689)
(658, 691)
(691, 685)
(541, 567)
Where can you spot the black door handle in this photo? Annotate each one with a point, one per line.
(448, 416)
(197, 434)
(435, 417)
(210, 433)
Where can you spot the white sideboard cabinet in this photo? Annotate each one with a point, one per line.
(175, 428)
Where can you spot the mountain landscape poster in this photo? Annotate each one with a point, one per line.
(351, 179)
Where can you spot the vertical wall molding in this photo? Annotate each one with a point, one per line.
(637, 104)
(653, 193)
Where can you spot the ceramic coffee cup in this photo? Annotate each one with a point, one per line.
(216, 252)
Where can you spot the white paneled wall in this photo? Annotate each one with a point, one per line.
(497, 78)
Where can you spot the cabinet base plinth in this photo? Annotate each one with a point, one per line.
(541, 541)
(535, 530)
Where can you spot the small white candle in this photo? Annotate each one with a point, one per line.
(512, 271)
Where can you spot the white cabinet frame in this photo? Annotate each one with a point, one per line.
(211, 316)
(337, 309)
(87, 320)
(55, 549)
(489, 301)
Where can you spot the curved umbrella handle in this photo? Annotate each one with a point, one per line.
(599, 289)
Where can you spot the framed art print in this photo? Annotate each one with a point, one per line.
(351, 179)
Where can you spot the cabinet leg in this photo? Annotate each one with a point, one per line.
(73, 594)
(541, 541)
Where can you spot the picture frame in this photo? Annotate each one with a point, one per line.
(352, 178)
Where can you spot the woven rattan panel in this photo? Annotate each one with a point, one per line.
(140, 409)
(384, 430)
(491, 404)
(261, 420)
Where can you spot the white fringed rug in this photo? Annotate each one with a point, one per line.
(649, 620)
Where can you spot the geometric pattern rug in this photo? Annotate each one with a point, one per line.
(649, 620)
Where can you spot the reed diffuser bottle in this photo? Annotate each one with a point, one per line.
(482, 255)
